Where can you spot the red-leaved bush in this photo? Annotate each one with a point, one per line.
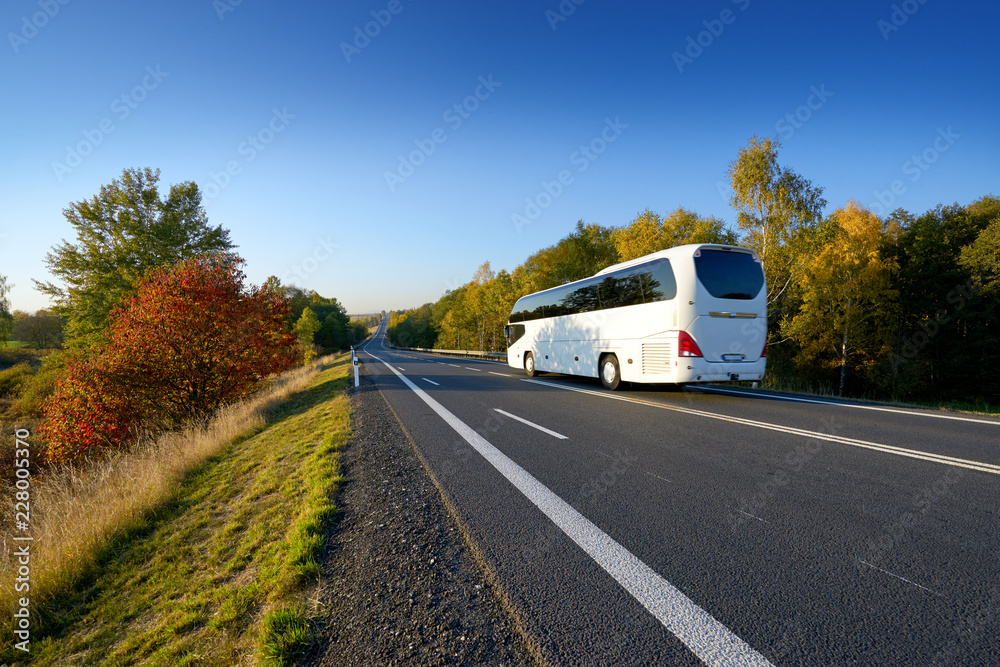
(190, 339)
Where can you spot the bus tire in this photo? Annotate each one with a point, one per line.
(529, 365)
(611, 374)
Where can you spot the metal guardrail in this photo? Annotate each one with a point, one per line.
(469, 354)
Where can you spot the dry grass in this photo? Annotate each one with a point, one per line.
(77, 510)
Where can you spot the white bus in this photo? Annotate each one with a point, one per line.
(693, 313)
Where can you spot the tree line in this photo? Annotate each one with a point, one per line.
(156, 320)
(899, 307)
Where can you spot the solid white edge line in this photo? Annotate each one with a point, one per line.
(532, 424)
(879, 408)
(714, 643)
(864, 444)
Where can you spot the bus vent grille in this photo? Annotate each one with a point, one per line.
(655, 358)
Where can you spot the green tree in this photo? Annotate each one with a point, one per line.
(123, 233)
(6, 317)
(305, 330)
(44, 330)
(947, 324)
(778, 210)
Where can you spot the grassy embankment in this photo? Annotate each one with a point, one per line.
(200, 548)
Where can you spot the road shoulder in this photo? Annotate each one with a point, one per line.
(398, 584)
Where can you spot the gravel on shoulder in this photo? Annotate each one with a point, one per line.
(399, 584)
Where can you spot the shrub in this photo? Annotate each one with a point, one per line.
(189, 340)
(39, 386)
(12, 379)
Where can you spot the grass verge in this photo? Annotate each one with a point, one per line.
(197, 549)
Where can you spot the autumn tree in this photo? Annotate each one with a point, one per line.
(191, 338)
(848, 294)
(648, 233)
(122, 233)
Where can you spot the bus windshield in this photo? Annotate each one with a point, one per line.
(729, 275)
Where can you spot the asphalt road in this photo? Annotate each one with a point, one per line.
(665, 527)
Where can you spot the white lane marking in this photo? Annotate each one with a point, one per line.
(503, 375)
(478, 370)
(431, 381)
(532, 424)
(900, 578)
(401, 368)
(864, 444)
(660, 478)
(879, 408)
(705, 636)
(455, 365)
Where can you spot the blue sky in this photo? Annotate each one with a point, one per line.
(380, 151)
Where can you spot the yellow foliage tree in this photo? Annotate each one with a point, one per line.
(847, 294)
(648, 233)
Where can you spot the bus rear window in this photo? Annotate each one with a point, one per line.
(729, 275)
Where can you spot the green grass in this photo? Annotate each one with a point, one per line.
(216, 575)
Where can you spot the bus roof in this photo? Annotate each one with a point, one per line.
(687, 249)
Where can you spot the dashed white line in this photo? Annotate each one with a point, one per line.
(431, 381)
(714, 643)
(532, 424)
(478, 370)
(503, 375)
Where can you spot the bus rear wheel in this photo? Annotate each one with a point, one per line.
(529, 365)
(610, 373)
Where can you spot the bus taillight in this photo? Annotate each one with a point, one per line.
(763, 353)
(686, 347)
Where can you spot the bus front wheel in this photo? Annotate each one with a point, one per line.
(529, 364)
(610, 373)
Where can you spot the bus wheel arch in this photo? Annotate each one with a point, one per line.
(609, 371)
(529, 364)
